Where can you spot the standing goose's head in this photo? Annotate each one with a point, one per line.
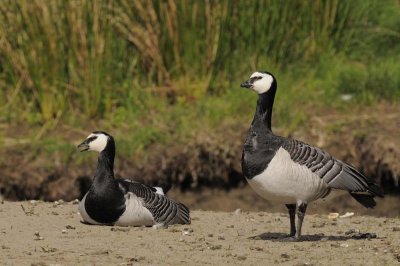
(260, 82)
(97, 141)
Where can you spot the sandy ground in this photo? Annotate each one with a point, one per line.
(38, 233)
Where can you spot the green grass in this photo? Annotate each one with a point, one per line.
(162, 70)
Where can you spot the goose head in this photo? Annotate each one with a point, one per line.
(260, 82)
(96, 141)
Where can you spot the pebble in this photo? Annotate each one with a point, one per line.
(38, 236)
(257, 248)
(333, 215)
(160, 226)
(352, 231)
(344, 245)
(237, 211)
(284, 255)
(241, 257)
(215, 247)
(347, 215)
(221, 237)
(70, 227)
(396, 229)
(187, 231)
(63, 231)
(120, 229)
(74, 202)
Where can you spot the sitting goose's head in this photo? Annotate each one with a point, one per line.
(97, 141)
(260, 82)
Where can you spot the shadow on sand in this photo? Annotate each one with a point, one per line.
(281, 237)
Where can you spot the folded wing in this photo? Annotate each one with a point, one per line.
(335, 173)
(163, 209)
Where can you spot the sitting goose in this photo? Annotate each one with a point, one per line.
(121, 202)
(290, 171)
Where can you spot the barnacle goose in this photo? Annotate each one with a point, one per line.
(290, 171)
(122, 202)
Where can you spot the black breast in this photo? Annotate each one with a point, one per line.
(105, 204)
(259, 149)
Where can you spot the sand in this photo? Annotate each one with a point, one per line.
(39, 233)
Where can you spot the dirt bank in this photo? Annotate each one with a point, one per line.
(210, 160)
(51, 234)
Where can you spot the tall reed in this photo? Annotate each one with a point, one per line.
(86, 56)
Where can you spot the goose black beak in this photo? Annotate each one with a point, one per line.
(247, 84)
(84, 146)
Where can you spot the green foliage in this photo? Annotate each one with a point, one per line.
(157, 66)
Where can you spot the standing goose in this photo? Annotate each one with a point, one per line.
(122, 202)
(290, 171)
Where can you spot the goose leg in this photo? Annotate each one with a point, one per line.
(292, 214)
(301, 212)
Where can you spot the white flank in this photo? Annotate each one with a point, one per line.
(286, 181)
(99, 143)
(135, 213)
(84, 214)
(264, 84)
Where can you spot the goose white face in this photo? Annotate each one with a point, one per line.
(259, 82)
(94, 142)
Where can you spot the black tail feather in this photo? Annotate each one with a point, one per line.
(364, 199)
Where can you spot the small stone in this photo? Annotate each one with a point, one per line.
(257, 248)
(137, 259)
(70, 227)
(210, 235)
(352, 231)
(54, 213)
(215, 247)
(333, 215)
(241, 257)
(347, 215)
(75, 201)
(396, 228)
(344, 245)
(237, 211)
(221, 237)
(160, 226)
(187, 231)
(120, 229)
(284, 255)
(63, 231)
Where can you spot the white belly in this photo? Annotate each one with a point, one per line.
(135, 213)
(287, 182)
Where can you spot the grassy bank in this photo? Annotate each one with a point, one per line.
(154, 71)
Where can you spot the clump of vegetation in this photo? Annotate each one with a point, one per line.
(158, 66)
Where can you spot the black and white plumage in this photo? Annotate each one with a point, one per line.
(111, 201)
(290, 171)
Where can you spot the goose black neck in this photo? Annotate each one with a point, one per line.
(265, 103)
(105, 165)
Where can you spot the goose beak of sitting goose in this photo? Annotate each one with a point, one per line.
(84, 146)
(247, 84)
